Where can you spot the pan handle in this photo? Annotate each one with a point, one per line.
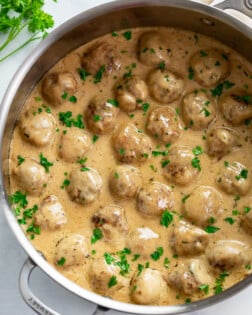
(34, 302)
(244, 6)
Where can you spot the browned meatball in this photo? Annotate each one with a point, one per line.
(221, 140)
(56, 85)
(228, 254)
(50, 214)
(148, 287)
(181, 169)
(209, 66)
(154, 198)
(236, 107)
(164, 124)
(37, 127)
(130, 93)
(151, 48)
(165, 86)
(143, 241)
(188, 239)
(72, 249)
(112, 221)
(74, 144)
(85, 185)
(100, 274)
(131, 145)
(102, 56)
(198, 110)
(101, 115)
(32, 176)
(202, 203)
(125, 181)
(188, 277)
(234, 178)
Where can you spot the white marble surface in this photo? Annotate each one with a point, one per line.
(11, 254)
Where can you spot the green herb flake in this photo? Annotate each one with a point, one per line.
(135, 257)
(218, 288)
(112, 282)
(109, 258)
(61, 261)
(203, 53)
(211, 229)
(166, 218)
(95, 138)
(185, 198)
(140, 268)
(190, 73)
(65, 183)
(72, 99)
(196, 163)
(246, 209)
(157, 253)
(97, 235)
(67, 120)
(114, 34)
(145, 107)
(230, 220)
(243, 174)
(121, 151)
(45, 163)
(204, 288)
(197, 150)
(218, 90)
(167, 262)
(64, 95)
(161, 66)
(99, 74)
(113, 102)
(20, 159)
(83, 74)
(127, 35)
(96, 118)
(85, 169)
(164, 163)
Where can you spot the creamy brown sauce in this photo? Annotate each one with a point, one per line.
(230, 218)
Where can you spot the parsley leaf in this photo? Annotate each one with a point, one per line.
(157, 253)
(166, 218)
(97, 235)
(45, 163)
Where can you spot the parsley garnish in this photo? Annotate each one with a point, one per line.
(197, 150)
(98, 75)
(67, 120)
(97, 235)
(218, 90)
(211, 229)
(61, 262)
(112, 282)
(20, 159)
(157, 253)
(95, 138)
(113, 102)
(204, 288)
(196, 163)
(243, 174)
(83, 74)
(190, 73)
(45, 163)
(219, 282)
(127, 35)
(229, 220)
(185, 198)
(166, 218)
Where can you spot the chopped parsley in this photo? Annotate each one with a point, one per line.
(109, 258)
(45, 163)
(96, 118)
(161, 66)
(113, 102)
(157, 253)
(65, 183)
(85, 169)
(164, 163)
(112, 282)
(229, 220)
(197, 150)
(99, 74)
(219, 282)
(211, 229)
(61, 261)
(145, 107)
(243, 174)
(166, 262)
(97, 235)
(20, 159)
(127, 35)
(246, 209)
(218, 90)
(121, 151)
(95, 138)
(67, 120)
(185, 198)
(18, 199)
(190, 73)
(196, 163)
(166, 218)
(157, 153)
(204, 288)
(83, 74)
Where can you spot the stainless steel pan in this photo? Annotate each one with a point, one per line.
(77, 31)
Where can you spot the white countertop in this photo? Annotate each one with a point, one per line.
(12, 255)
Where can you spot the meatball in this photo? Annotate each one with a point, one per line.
(234, 178)
(131, 92)
(101, 274)
(56, 85)
(125, 181)
(209, 66)
(85, 185)
(148, 288)
(154, 198)
(37, 127)
(101, 57)
(203, 203)
(188, 239)
(181, 169)
(228, 254)
(101, 115)
(32, 176)
(74, 144)
(112, 221)
(72, 249)
(50, 214)
(131, 145)
(198, 110)
(221, 140)
(236, 108)
(165, 86)
(150, 48)
(164, 124)
(143, 241)
(188, 277)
